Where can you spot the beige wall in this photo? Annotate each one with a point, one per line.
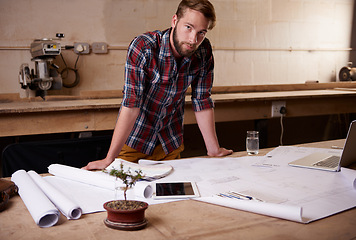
(252, 38)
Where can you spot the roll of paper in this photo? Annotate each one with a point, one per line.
(42, 210)
(69, 209)
(143, 189)
(98, 179)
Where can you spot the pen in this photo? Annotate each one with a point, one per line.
(246, 196)
(229, 196)
(236, 195)
(241, 195)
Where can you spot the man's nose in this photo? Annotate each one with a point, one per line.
(193, 37)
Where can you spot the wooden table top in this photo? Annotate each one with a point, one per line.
(186, 219)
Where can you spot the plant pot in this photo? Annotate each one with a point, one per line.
(125, 218)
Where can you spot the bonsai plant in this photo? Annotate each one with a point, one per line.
(126, 214)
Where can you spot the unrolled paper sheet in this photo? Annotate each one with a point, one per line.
(293, 213)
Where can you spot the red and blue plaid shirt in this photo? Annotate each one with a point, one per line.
(157, 85)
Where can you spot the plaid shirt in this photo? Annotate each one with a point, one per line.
(157, 85)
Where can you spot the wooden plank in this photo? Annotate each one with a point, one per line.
(57, 122)
(102, 94)
(105, 119)
(9, 97)
(38, 123)
(282, 87)
(320, 106)
(49, 106)
(87, 104)
(26, 118)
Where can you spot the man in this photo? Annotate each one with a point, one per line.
(159, 69)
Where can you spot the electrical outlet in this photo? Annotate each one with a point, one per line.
(81, 48)
(276, 108)
(99, 47)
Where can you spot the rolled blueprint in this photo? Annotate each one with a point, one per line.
(69, 209)
(98, 179)
(143, 189)
(42, 210)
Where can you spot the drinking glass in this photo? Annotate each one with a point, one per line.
(252, 143)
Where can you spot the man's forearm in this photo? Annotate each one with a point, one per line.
(206, 123)
(122, 130)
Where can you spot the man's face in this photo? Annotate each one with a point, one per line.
(188, 33)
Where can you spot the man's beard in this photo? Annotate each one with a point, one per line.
(179, 46)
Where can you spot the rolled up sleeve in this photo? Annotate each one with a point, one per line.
(201, 87)
(134, 74)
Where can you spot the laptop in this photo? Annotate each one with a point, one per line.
(328, 162)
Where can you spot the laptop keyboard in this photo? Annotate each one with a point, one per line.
(330, 162)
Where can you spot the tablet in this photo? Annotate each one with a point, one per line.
(179, 189)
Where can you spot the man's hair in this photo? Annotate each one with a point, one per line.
(203, 6)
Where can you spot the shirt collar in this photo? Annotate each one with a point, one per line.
(165, 46)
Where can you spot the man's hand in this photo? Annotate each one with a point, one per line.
(221, 152)
(99, 164)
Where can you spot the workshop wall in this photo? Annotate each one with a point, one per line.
(256, 41)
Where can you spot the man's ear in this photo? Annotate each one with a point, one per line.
(174, 20)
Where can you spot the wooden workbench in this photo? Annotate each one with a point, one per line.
(78, 115)
(187, 219)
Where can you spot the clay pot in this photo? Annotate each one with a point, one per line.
(126, 219)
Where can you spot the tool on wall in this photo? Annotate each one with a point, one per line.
(45, 76)
(347, 73)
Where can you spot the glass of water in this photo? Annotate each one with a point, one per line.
(252, 143)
